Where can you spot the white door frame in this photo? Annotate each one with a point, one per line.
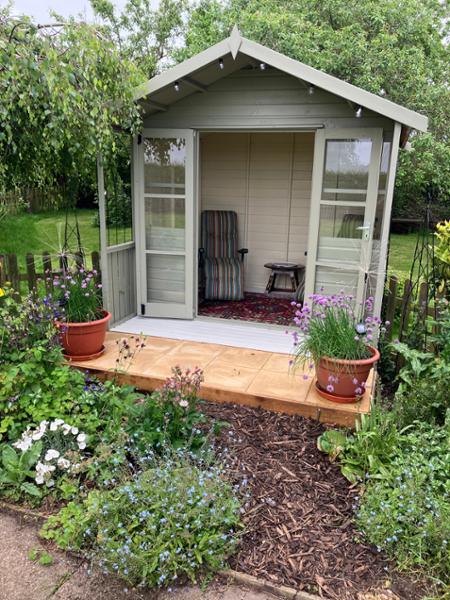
(165, 309)
(322, 135)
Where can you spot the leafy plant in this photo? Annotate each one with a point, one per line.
(331, 327)
(16, 468)
(176, 518)
(442, 255)
(78, 294)
(60, 444)
(406, 509)
(170, 414)
(423, 391)
(38, 554)
(27, 326)
(366, 451)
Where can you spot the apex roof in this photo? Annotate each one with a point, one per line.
(234, 53)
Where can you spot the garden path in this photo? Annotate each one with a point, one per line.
(67, 577)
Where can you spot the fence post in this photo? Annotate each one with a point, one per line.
(31, 272)
(390, 305)
(14, 274)
(47, 268)
(2, 270)
(405, 308)
(96, 265)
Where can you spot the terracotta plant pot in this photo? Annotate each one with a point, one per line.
(84, 341)
(338, 379)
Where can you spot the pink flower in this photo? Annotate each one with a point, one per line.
(330, 388)
(358, 391)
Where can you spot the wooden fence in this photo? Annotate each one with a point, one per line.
(16, 202)
(10, 271)
(402, 302)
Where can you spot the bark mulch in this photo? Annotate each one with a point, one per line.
(299, 522)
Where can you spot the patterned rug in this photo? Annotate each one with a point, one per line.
(254, 307)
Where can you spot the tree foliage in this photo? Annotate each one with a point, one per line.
(64, 89)
(142, 34)
(395, 49)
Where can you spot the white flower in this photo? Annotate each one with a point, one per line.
(50, 483)
(74, 430)
(43, 425)
(81, 445)
(38, 434)
(53, 426)
(63, 463)
(39, 479)
(66, 428)
(51, 454)
(81, 437)
(59, 422)
(24, 443)
(184, 403)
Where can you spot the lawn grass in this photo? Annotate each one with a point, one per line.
(401, 254)
(36, 233)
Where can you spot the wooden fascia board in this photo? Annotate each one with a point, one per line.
(184, 69)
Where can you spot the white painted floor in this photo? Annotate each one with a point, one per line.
(240, 334)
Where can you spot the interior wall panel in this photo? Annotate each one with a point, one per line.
(266, 179)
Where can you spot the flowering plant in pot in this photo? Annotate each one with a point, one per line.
(333, 340)
(84, 321)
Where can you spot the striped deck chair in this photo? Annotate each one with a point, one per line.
(349, 227)
(223, 269)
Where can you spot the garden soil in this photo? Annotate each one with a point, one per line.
(68, 579)
(299, 522)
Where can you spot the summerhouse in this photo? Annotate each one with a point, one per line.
(243, 148)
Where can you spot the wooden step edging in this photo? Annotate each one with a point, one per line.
(281, 591)
(261, 585)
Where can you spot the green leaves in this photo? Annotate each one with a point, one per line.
(15, 469)
(61, 90)
(398, 50)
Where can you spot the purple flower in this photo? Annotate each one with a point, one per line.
(330, 388)
(358, 391)
(355, 381)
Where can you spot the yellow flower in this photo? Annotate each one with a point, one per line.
(2, 293)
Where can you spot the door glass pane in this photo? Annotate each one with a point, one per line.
(346, 170)
(165, 223)
(164, 166)
(340, 233)
(331, 280)
(165, 278)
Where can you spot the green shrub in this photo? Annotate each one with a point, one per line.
(373, 444)
(423, 393)
(405, 510)
(177, 517)
(16, 468)
(34, 390)
(170, 414)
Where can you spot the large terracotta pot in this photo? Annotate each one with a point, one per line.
(342, 380)
(84, 341)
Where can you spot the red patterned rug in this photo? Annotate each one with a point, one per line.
(254, 307)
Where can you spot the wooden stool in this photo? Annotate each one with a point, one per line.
(283, 268)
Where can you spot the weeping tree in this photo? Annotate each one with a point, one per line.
(64, 89)
(398, 50)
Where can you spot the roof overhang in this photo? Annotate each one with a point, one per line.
(193, 73)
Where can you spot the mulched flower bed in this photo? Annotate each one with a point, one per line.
(299, 523)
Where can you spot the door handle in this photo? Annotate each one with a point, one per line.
(366, 231)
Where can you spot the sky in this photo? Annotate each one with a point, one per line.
(39, 9)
